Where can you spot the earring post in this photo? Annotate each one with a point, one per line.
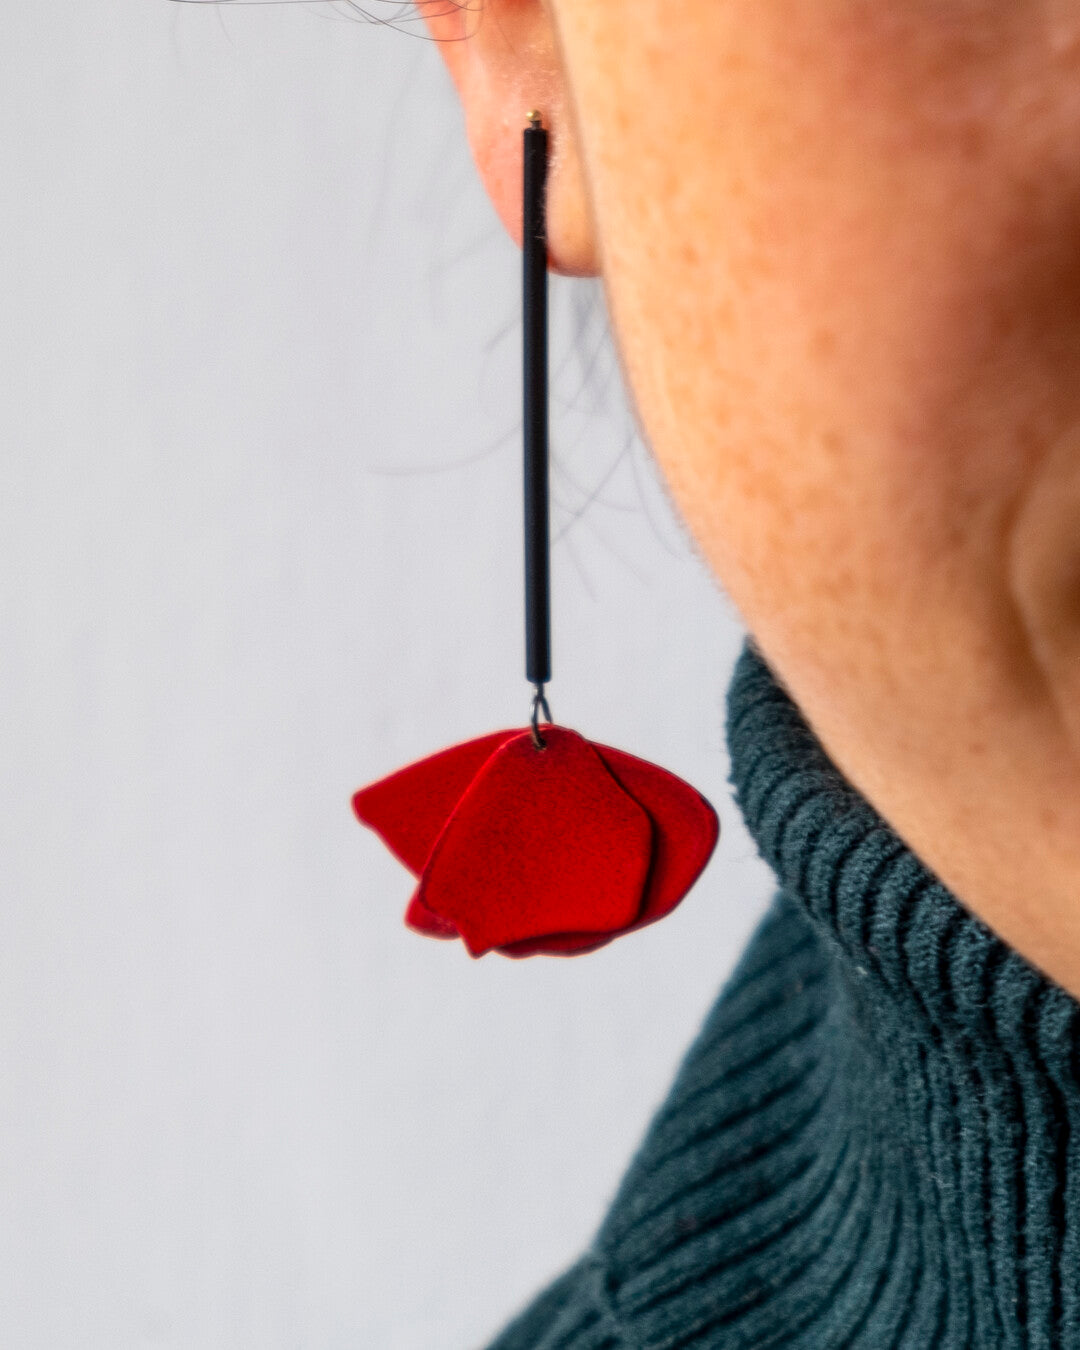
(535, 406)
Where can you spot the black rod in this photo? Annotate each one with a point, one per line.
(534, 319)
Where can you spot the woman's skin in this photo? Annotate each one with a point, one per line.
(840, 241)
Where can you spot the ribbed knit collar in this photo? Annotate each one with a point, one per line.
(971, 1060)
(874, 1143)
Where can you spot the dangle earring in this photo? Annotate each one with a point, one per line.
(536, 840)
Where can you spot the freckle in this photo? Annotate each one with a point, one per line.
(823, 342)
(972, 140)
(691, 253)
(832, 442)
(1048, 818)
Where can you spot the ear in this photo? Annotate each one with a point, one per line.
(503, 57)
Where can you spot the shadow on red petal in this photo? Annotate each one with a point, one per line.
(559, 944)
(421, 920)
(685, 830)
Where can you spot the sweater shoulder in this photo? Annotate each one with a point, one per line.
(682, 1188)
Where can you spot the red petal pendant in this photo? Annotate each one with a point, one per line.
(521, 842)
(524, 849)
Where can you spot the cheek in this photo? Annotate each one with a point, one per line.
(853, 341)
(848, 341)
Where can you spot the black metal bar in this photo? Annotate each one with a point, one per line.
(535, 413)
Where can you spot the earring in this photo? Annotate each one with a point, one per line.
(536, 840)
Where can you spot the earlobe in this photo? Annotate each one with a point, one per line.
(504, 60)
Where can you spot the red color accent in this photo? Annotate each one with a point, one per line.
(409, 808)
(421, 920)
(686, 828)
(527, 851)
(544, 841)
(685, 831)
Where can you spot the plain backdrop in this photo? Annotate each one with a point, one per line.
(259, 544)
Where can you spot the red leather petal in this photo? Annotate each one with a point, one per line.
(409, 808)
(543, 842)
(685, 829)
(559, 944)
(421, 920)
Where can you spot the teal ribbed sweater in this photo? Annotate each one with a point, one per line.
(874, 1142)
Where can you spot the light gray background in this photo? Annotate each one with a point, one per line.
(260, 544)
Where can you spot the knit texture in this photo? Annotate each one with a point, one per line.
(873, 1142)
